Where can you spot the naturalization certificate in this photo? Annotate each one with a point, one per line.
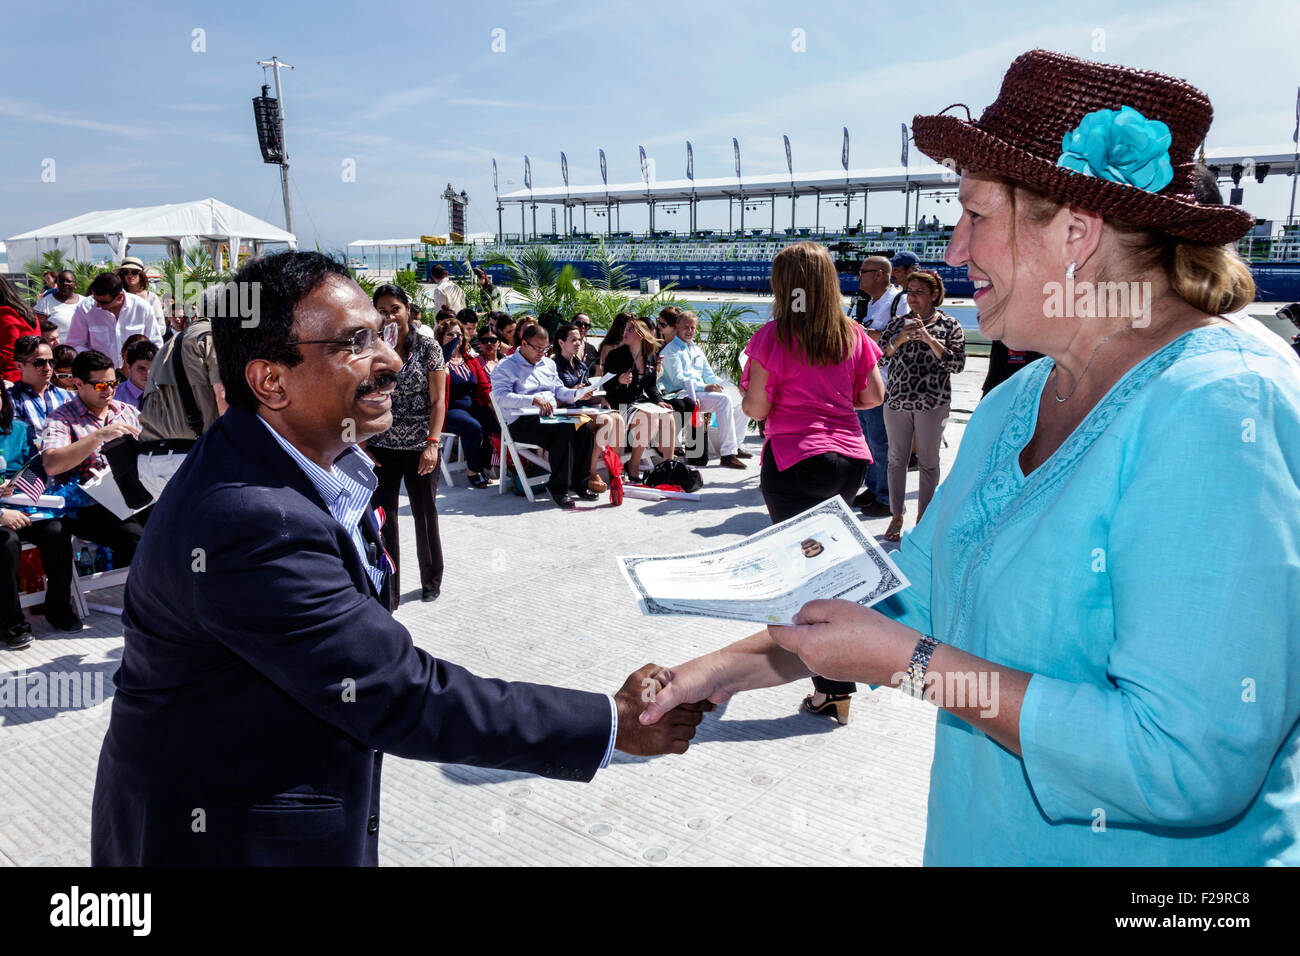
(766, 578)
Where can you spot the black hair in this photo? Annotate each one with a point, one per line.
(268, 290)
(396, 291)
(6, 414)
(106, 283)
(467, 315)
(132, 340)
(530, 332)
(494, 317)
(64, 355)
(140, 351)
(90, 361)
(48, 326)
(25, 346)
(438, 272)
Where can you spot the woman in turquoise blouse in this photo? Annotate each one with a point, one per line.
(1105, 598)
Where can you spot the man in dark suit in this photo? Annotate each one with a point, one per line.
(263, 678)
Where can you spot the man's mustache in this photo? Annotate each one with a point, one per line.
(380, 382)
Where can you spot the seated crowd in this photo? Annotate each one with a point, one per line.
(122, 381)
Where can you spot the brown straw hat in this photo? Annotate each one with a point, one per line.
(1050, 101)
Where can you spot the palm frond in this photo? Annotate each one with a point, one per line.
(726, 337)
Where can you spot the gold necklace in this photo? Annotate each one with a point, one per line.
(1056, 368)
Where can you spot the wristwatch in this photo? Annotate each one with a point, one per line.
(913, 684)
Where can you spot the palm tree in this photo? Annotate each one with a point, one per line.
(728, 334)
(185, 278)
(543, 283)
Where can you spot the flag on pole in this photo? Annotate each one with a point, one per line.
(564, 168)
(645, 169)
(789, 164)
(494, 175)
(844, 153)
(735, 145)
(1295, 137)
(528, 174)
(603, 177)
(690, 161)
(904, 126)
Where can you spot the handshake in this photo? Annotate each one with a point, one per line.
(674, 727)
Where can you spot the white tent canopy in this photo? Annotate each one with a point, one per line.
(181, 227)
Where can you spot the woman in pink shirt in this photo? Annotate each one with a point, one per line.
(809, 371)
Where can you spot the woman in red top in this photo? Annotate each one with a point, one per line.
(16, 320)
(469, 403)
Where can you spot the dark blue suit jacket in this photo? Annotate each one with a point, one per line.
(262, 681)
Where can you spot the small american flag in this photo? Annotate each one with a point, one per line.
(31, 482)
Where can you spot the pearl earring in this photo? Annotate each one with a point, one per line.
(1069, 273)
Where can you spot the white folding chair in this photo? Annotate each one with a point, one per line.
(451, 444)
(519, 452)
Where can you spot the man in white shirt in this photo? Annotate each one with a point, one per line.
(59, 305)
(877, 298)
(685, 368)
(526, 387)
(110, 316)
(445, 291)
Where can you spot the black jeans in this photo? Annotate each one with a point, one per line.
(803, 485)
(55, 545)
(567, 448)
(392, 468)
(101, 526)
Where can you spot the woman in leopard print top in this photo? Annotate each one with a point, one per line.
(923, 350)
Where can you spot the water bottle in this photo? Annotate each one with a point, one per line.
(84, 563)
(101, 559)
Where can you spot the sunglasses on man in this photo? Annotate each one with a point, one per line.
(40, 363)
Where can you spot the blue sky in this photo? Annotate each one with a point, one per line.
(416, 97)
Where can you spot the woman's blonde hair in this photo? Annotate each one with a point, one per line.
(1210, 278)
(650, 344)
(808, 305)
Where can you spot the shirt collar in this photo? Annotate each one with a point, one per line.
(350, 472)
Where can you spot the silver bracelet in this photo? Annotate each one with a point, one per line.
(913, 684)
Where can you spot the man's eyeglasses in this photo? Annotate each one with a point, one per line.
(582, 325)
(41, 363)
(103, 386)
(360, 343)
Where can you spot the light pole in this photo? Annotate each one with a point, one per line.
(276, 65)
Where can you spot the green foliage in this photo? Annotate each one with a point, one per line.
(409, 282)
(728, 334)
(54, 261)
(611, 273)
(368, 283)
(541, 281)
(650, 306)
(185, 278)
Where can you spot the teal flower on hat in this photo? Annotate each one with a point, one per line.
(1122, 146)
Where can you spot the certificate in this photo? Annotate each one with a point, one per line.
(767, 577)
